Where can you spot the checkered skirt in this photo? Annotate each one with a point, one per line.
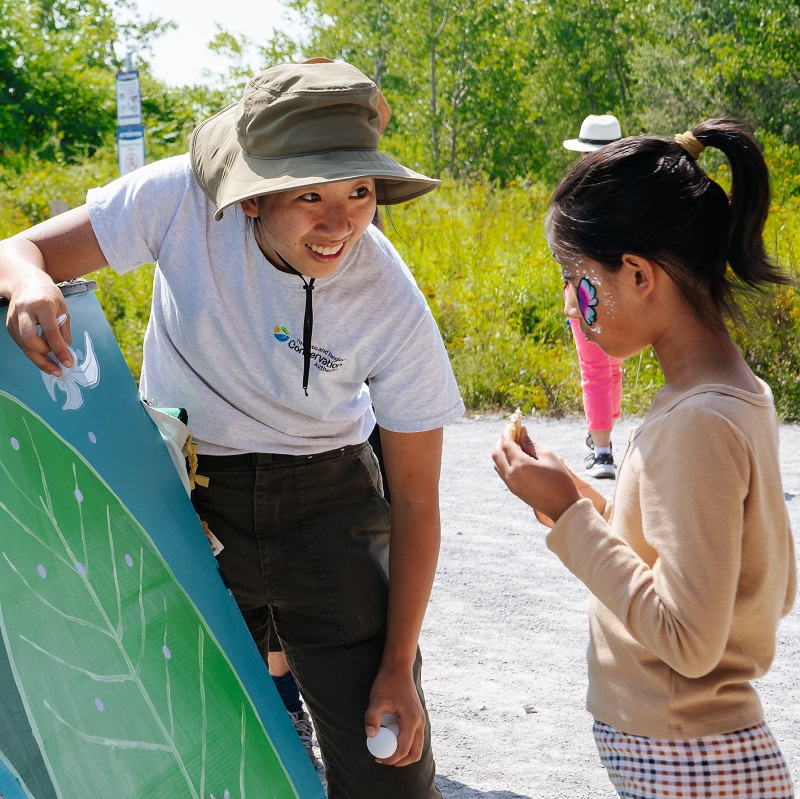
(746, 764)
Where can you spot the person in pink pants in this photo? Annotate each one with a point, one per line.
(601, 381)
(601, 375)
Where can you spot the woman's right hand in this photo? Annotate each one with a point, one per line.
(33, 322)
(31, 264)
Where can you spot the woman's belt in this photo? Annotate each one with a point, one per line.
(264, 458)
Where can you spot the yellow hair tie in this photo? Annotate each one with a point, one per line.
(194, 477)
(690, 143)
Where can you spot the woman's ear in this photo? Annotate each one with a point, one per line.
(641, 272)
(251, 207)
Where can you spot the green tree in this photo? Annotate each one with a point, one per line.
(722, 57)
(451, 70)
(476, 81)
(57, 67)
(578, 60)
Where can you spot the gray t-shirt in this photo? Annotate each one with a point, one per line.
(224, 339)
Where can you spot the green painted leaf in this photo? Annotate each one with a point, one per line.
(125, 687)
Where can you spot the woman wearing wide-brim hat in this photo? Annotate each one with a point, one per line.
(274, 301)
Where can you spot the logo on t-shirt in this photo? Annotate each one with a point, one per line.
(323, 359)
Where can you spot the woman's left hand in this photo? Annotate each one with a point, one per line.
(536, 475)
(394, 692)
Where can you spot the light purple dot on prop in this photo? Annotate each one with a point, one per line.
(98, 703)
(14, 443)
(42, 571)
(78, 495)
(129, 560)
(92, 437)
(167, 653)
(80, 568)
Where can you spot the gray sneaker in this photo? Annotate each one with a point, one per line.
(305, 731)
(601, 466)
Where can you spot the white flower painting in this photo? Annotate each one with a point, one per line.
(83, 374)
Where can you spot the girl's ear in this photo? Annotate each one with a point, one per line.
(251, 207)
(641, 272)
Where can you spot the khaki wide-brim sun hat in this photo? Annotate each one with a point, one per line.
(298, 125)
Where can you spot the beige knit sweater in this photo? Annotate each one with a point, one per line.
(691, 568)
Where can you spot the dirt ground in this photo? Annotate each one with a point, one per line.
(506, 631)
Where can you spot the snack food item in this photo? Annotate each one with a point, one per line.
(516, 424)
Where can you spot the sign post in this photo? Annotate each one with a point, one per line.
(130, 130)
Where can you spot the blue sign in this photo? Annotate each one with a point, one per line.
(130, 148)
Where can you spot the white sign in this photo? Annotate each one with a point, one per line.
(129, 99)
(130, 149)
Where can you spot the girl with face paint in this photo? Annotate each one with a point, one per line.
(690, 576)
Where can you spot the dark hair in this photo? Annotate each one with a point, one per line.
(647, 196)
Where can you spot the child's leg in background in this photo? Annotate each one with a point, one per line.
(616, 387)
(289, 691)
(601, 382)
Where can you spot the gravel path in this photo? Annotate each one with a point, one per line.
(506, 631)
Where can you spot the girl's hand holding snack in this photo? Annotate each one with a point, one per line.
(536, 475)
(515, 425)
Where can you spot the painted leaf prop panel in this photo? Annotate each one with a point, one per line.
(17, 742)
(126, 689)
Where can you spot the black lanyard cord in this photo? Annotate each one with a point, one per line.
(308, 320)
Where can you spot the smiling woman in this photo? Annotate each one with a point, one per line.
(312, 230)
(263, 228)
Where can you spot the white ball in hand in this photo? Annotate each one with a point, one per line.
(384, 744)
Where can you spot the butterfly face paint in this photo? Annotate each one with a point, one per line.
(586, 294)
(589, 276)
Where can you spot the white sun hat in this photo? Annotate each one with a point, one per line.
(596, 132)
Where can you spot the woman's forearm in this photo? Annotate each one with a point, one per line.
(414, 553)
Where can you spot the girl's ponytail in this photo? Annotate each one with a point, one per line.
(749, 198)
